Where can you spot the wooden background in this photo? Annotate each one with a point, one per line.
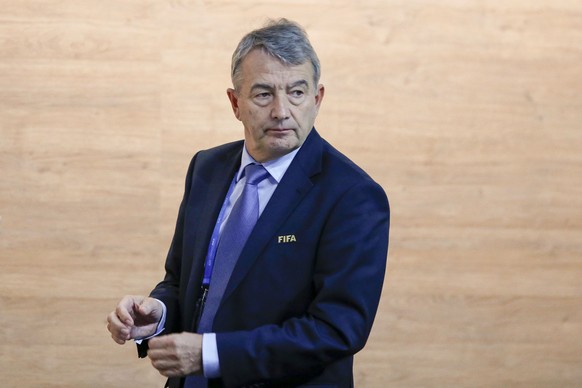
(469, 113)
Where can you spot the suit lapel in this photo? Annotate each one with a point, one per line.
(295, 184)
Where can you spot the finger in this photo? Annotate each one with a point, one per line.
(163, 367)
(162, 359)
(161, 342)
(161, 349)
(117, 339)
(150, 307)
(171, 372)
(119, 331)
(114, 321)
(114, 325)
(144, 331)
(168, 367)
(124, 310)
(161, 356)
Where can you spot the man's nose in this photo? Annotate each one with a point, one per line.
(280, 108)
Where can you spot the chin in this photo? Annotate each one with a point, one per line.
(276, 151)
(283, 146)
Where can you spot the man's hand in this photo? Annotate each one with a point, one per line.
(135, 317)
(176, 355)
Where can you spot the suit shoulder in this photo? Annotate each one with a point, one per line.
(345, 180)
(223, 149)
(342, 168)
(214, 154)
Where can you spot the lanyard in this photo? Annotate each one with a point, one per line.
(213, 246)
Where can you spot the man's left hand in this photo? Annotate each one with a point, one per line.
(176, 355)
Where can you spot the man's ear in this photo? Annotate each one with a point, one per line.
(232, 96)
(319, 93)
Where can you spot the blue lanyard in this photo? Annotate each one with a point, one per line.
(213, 246)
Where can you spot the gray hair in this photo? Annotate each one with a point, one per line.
(282, 39)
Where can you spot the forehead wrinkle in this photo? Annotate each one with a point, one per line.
(268, 86)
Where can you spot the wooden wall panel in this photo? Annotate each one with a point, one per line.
(469, 113)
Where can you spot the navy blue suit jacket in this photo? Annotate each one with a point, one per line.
(305, 290)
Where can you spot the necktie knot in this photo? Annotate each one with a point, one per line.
(255, 173)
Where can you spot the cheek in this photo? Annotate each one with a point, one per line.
(249, 110)
(256, 117)
(246, 116)
(253, 122)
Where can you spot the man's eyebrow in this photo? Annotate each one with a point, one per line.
(295, 84)
(301, 82)
(261, 86)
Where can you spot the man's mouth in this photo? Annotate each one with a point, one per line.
(278, 130)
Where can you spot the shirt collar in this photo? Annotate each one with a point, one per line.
(276, 167)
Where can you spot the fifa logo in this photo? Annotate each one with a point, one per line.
(286, 239)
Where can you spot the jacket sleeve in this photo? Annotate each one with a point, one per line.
(168, 290)
(349, 270)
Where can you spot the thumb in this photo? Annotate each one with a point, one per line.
(149, 307)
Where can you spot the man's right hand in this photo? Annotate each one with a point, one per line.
(135, 317)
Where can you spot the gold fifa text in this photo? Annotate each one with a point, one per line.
(286, 239)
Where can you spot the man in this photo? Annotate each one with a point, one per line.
(291, 300)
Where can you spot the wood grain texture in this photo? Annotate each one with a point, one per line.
(469, 113)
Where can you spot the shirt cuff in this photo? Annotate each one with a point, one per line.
(161, 324)
(210, 362)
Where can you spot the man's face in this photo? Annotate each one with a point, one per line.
(276, 103)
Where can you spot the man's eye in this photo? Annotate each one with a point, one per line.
(297, 93)
(263, 95)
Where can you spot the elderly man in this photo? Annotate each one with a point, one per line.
(275, 271)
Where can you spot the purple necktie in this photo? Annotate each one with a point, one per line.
(238, 227)
(236, 231)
